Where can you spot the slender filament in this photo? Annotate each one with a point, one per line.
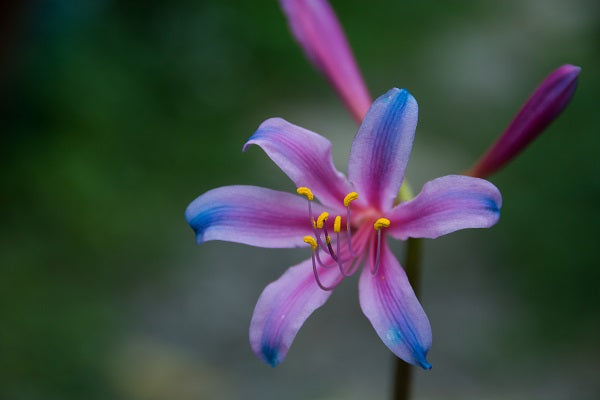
(328, 241)
(349, 234)
(374, 272)
(350, 271)
(323, 287)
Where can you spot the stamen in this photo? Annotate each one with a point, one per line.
(310, 240)
(381, 223)
(313, 244)
(322, 218)
(323, 287)
(308, 193)
(328, 241)
(378, 225)
(321, 225)
(337, 224)
(350, 270)
(350, 197)
(374, 272)
(304, 191)
(321, 263)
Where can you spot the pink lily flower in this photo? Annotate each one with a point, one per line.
(365, 214)
(545, 104)
(315, 26)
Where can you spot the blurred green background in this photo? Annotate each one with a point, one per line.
(115, 115)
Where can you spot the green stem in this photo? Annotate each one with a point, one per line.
(403, 372)
(412, 266)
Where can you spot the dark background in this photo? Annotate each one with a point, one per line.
(115, 115)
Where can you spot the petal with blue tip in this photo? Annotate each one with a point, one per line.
(445, 205)
(382, 146)
(305, 157)
(250, 215)
(389, 302)
(283, 307)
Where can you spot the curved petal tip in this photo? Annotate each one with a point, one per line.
(423, 363)
(283, 307)
(270, 355)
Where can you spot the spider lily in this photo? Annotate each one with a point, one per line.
(347, 228)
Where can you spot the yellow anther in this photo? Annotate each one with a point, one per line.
(350, 197)
(314, 224)
(381, 223)
(322, 218)
(310, 240)
(328, 239)
(304, 191)
(337, 224)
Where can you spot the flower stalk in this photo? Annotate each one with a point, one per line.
(412, 265)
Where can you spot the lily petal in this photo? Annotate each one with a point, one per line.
(445, 205)
(305, 157)
(319, 33)
(389, 302)
(283, 307)
(382, 146)
(545, 104)
(251, 215)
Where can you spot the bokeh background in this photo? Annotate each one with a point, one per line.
(116, 114)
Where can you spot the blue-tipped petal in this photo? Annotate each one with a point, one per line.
(251, 215)
(445, 205)
(305, 157)
(283, 307)
(388, 301)
(381, 148)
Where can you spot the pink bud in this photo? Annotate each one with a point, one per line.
(545, 104)
(318, 31)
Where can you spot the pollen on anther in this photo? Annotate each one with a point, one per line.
(337, 224)
(350, 197)
(306, 192)
(322, 218)
(381, 223)
(310, 240)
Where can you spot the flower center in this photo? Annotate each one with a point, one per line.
(349, 264)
